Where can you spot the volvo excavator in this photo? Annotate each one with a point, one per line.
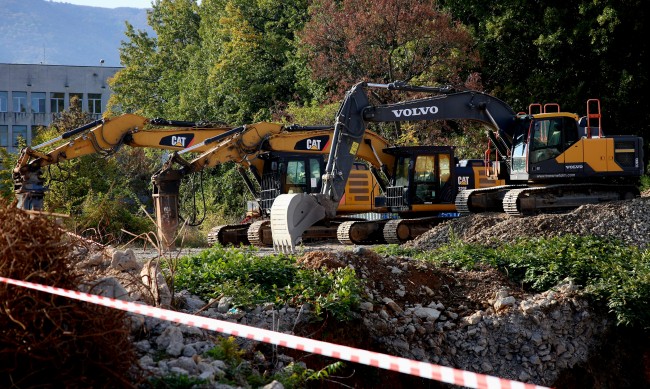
(103, 137)
(544, 160)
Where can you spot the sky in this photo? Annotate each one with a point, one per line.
(109, 3)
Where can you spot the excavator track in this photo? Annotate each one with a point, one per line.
(343, 233)
(229, 234)
(360, 232)
(510, 201)
(398, 231)
(563, 198)
(391, 231)
(257, 233)
(481, 199)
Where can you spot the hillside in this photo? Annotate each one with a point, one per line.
(38, 31)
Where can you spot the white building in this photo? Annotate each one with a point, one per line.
(32, 95)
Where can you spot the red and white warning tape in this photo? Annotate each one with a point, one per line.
(384, 361)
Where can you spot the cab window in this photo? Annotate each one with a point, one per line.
(314, 173)
(296, 173)
(402, 173)
(425, 166)
(546, 140)
(425, 179)
(444, 163)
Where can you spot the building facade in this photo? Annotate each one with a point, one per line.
(31, 96)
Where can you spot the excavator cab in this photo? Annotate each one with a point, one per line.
(289, 173)
(423, 179)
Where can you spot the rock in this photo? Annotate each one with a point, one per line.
(273, 385)
(503, 303)
(154, 281)
(430, 314)
(109, 287)
(125, 261)
(224, 304)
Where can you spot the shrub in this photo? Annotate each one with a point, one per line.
(250, 279)
(616, 274)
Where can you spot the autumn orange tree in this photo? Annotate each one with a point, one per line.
(386, 40)
(382, 41)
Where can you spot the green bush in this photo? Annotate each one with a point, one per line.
(106, 214)
(294, 375)
(645, 180)
(250, 279)
(7, 163)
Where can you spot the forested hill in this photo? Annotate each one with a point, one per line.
(39, 31)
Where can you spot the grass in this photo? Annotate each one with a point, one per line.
(249, 280)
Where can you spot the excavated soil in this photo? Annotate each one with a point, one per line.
(483, 322)
(606, 355)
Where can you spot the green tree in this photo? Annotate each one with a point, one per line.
(565, 52)
(155, 67)
(246, 64)
(103, 195)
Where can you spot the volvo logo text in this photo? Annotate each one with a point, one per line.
(415, 111)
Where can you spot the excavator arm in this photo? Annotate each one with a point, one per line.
(292, 214)
(103, 137)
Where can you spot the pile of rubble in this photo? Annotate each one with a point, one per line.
(471, 320)
(628, 221)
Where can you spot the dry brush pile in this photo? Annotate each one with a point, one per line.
(47, 340)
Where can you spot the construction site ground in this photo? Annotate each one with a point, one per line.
(486, 324)
(475, 320)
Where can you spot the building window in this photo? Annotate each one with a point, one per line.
(3, 101)
(20, 101)
(18, 133)
(38, 102)
(78, 97)
(95, 103)
(57, 102)
(4, 136)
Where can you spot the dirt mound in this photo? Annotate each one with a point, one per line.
(625, 220)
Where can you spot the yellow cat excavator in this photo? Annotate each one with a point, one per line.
(281, 159)
(103, 137)
(546, 161)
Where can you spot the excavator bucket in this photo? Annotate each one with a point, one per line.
(291, 215)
